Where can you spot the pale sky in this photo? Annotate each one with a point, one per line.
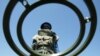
(64, 22)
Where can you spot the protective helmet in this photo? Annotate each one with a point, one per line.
(46, 25)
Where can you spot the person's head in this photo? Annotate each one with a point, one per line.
(46, 25)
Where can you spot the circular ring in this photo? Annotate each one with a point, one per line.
(39, 3)
(93, 26)
(6, 22)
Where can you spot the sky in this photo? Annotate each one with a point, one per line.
(64, 22)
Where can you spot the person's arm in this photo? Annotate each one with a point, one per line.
(34, 45)
(57, 38)
(34, 38)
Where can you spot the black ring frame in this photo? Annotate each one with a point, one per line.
(37, 4)
(10, 41)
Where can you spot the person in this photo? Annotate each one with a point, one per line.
(45, 38)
